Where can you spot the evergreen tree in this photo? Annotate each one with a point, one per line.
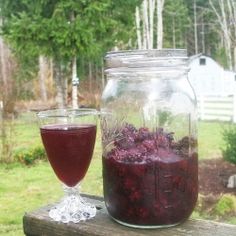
(66, 29)
(176, 22)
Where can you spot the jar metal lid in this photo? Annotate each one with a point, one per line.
(146, 58)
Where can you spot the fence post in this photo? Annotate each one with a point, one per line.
(201, 108)
(234, 108)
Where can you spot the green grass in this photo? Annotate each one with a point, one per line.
(25, 188)
(210, 139)
(26, 131)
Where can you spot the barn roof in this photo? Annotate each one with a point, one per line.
(194, 57)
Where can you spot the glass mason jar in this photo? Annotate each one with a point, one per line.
(149, 138)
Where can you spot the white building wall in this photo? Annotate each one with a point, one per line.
(229, 82)
(208, 78)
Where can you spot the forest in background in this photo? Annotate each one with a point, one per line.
(50, 48)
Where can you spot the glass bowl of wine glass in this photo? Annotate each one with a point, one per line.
(68, 136)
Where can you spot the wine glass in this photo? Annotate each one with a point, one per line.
(68, 136)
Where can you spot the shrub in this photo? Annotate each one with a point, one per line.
(225, 205)
(30, 156)
(229, 137)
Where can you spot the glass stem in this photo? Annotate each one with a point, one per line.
(69, 191)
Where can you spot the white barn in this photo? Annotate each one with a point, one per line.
(215, 89)
(209, 78)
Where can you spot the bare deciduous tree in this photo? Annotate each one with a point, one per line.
(151, 21)
(160, 6)
(75, 83)
(7, 70)
(232, 7)
(145, 24)
(43, 77)
(61, 84)
(138, 28)
(224, 11)
(195, 27)
(7, 102)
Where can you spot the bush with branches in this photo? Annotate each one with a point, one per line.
(229, 137)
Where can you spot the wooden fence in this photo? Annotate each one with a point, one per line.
(217, 107)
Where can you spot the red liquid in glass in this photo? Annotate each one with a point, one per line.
(69, 149)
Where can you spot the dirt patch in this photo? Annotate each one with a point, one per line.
(213, 177)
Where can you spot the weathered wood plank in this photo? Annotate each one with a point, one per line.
(38, 223)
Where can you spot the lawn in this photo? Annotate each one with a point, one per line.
(210, 139)
(24, 188)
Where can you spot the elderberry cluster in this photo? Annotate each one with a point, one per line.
(142, 145)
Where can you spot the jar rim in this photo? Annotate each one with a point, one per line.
(133, 72)
(165, 52)
(146, 58)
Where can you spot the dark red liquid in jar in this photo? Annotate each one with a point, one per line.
(69, 149)
(150, 181)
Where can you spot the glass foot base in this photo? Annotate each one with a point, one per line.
(145, 226)
(72, 208)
